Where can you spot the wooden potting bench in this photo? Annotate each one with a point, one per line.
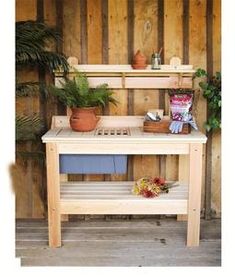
(116, 197)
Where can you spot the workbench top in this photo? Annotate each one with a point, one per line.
(136, 135)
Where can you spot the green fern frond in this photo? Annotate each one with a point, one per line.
(82, 83)
(77, 93)
(32, 38)
(27, 89)
(28, 127)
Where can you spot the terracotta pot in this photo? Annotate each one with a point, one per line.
(83, 119)
(139, 61)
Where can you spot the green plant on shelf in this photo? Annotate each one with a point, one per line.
(211, 88)
(77, 93)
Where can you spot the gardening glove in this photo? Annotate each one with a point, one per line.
(176, 127)
(193, 124)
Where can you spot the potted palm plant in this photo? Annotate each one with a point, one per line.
(83, 101)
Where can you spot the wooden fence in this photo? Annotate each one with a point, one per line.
(110, 32)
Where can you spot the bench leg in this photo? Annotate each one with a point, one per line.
(53, 195)
(184, 178)
(194, 200)
(64, 178)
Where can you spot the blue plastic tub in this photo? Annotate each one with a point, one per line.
(93, 164)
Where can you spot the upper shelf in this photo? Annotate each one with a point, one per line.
(125, 77)
(127, 69)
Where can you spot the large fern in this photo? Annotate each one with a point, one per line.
(32, 40)
(28, 127)
(77, 93)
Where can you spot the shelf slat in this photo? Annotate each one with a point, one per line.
(117, 197)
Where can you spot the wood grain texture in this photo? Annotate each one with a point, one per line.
(194, 202)
(118, 48)
(53, 192)
(216, 138)
(216, 36)
(161, 95)
(145, 40)
(94, 48)
(105, 32)
(83, 31)
(26, 10)
(50, 12)
(72, 29)
(173, 43)
(216, 174)
(186, 4)
(118, 243)
(209, 69)
(198, 56)
(173, 29)
(183, 177)
(29, 189)
(94, 32)
(72, 37)
(118, 54)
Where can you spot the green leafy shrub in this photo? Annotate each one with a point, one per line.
(211, 88)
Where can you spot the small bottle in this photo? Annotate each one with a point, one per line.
(156, 61)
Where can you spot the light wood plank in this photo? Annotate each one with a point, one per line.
(173, 46)
(198, 56)
(134, 147)
(104, 201)
(53, 191)
(194, 201)
(183, 177)
(120, 67)
(145, 40)
(216, 138)
(71, 31)
(26, 10)
(216, 173)
(94, 31)
(173, 29)
(118, 48)
(64, 179)
(158, 82)
(94, 206)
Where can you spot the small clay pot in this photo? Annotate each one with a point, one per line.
(83, 119)
(139, 61)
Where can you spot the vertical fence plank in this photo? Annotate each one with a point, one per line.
(26, 10)
(94, 49)
(83, 31)
(173, 29)
(185, 31)
(50, 12)
(71, 29)
(94, 31)
(118, 49)
(27, 191)
(162, 92)
(145, 40)
(105, 32)
(209, 67)
(173, 41)
(216, 138)
(197, 57)
(118, 54)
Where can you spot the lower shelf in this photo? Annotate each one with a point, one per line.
(117, 198)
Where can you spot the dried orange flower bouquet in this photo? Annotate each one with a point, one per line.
(150, 187)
